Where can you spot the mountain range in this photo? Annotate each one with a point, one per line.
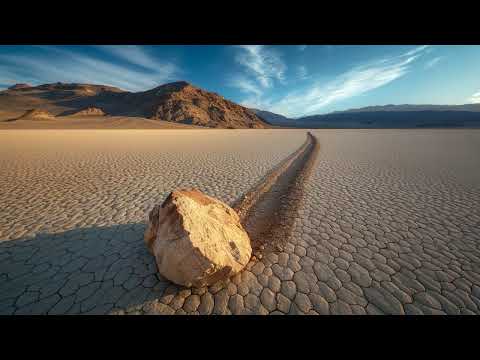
(387, 116)
(178, 102)
(187, 105)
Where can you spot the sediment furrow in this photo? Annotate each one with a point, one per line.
(267, 210)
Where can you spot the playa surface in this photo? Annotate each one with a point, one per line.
(388, 222)
(8, 120)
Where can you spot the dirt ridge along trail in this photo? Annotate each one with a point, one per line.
(268, 210)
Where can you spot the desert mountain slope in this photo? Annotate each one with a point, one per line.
(36, 114)
(184, 103)
(178, 102)
(272, 118)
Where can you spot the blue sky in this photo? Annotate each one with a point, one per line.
(293, 80)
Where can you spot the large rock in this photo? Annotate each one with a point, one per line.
(196, 240)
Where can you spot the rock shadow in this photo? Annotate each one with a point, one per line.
(95, 270)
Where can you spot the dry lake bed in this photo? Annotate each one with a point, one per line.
(388, 222)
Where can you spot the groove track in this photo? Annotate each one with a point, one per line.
(268, 210)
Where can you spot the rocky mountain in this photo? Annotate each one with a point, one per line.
(184, 103)
(178, 102)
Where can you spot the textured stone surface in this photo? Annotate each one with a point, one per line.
(196, 240)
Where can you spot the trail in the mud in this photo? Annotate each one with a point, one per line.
(268, 211)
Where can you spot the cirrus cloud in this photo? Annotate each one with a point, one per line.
(356, 81)
(69, 65)
(262, 63)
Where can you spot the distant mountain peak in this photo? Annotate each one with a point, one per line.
(171, 87)
(181, 83)
(182, 102)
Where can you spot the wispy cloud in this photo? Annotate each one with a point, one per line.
(475, 98)
(140, 56)
(257, 102)
(264, 64)
(302, 47)
(58, 64)
(357, 81)
(432, 62)
(418, 50)
(245, 85)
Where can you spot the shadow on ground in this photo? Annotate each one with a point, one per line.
(90, 270)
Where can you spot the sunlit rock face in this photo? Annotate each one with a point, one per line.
(196, 240)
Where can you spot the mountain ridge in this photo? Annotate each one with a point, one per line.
(183, 103)
(179, 102)
(410, 107)
(385, 116)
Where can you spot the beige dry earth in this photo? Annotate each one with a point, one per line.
(11, 120)
(388, 222)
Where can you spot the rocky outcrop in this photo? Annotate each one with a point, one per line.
(90, 111)
(36, 114)
(196, 240)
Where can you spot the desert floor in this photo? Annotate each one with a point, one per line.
(389, 222)
(8, 121)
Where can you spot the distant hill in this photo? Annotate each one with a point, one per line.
(387, 116)
(178, 102)
(407, 107)
(392, 119)
(272, 118)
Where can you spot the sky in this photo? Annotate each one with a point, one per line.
(291, 80)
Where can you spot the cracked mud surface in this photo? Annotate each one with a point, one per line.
(388, 221)
(268, 211)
